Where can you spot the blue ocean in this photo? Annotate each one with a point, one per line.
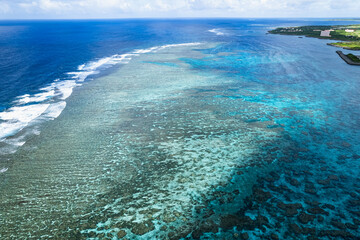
(176, 129)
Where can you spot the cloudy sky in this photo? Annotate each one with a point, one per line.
(39, 9)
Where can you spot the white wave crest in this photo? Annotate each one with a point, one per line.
(155, 49)
(50, 102)
(16, 118)
(40, 97)
(54, 110)
(217, 31)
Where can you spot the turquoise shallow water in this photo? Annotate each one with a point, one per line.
(251, 136)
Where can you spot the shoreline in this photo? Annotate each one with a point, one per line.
(346, 48)
(348, 35)
(347, 59)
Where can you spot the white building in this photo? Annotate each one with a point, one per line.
(325, 33)
(349, 30)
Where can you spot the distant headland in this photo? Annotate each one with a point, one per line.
(348, 34)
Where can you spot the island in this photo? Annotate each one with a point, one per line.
(348, 34)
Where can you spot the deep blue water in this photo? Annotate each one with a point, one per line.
(259, 131)
(35, 53)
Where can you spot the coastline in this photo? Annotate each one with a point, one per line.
(347, 34)
(347, 59)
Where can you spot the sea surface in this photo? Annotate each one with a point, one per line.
(176, 129)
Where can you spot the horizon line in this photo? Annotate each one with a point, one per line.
(175, 18)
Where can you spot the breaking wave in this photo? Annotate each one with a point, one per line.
(30, 110)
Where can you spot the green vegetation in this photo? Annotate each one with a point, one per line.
(353, 58)
(347, 45)
(339, 32)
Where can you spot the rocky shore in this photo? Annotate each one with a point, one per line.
(347, 59)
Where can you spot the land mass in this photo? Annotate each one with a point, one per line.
(349, 58)
(348, 34)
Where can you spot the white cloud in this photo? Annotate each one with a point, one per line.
(50, 5)
(45, 5)
(182, 8)
(102, 4)
(4, 8)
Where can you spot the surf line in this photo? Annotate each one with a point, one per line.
(48, 104)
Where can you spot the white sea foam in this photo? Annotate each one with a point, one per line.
(3, 170)
(40, 97)
(124, 58)
(145, 50)
(65, 88)
(10, 145)
(81, 67)
(217, 31)
(93, 67)
(54, 110)
(23, 113)
(16, 118)
(50, 102)
(155, 49)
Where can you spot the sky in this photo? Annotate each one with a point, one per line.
(89, 9)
